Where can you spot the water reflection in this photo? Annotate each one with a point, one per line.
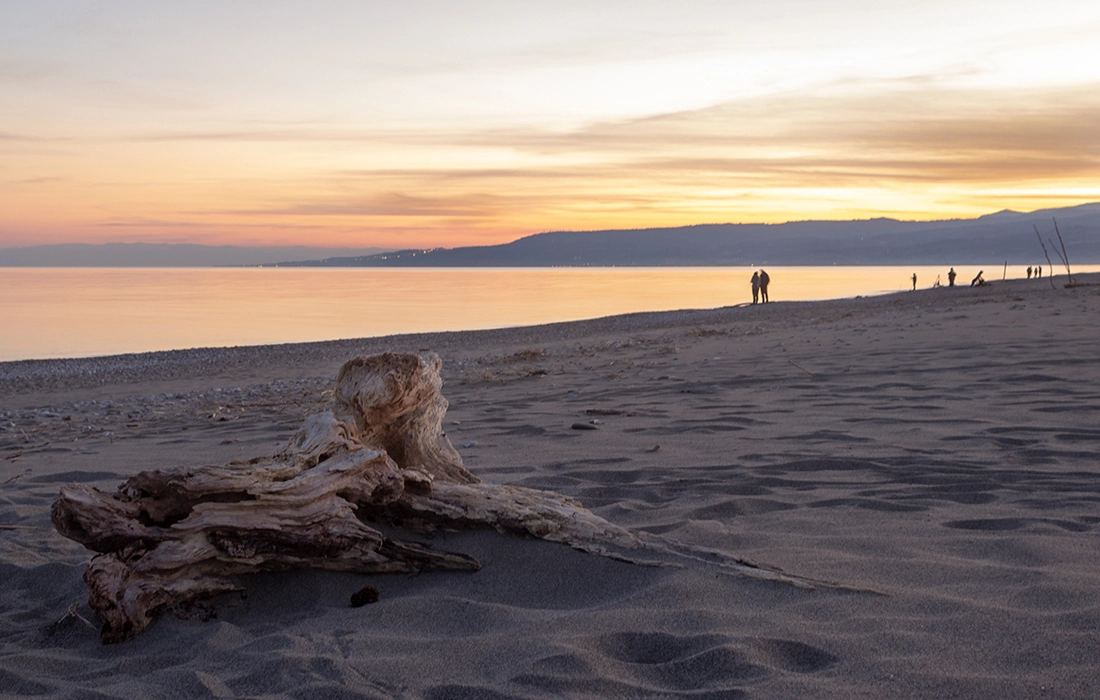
(77, 312)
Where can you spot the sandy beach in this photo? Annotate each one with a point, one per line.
(936, 451)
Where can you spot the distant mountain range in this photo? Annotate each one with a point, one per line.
(163, 255)
(1004, 236)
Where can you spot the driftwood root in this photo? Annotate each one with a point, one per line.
(168, 538)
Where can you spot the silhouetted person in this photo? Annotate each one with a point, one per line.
(1038, 272)
(978, 281)
(914, 281)
(951, 277)
(764, 279)
(1029, 271)
(755, 287)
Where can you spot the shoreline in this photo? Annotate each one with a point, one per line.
(27, 376)
(108, 314)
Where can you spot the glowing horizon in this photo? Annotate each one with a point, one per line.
(430, 125)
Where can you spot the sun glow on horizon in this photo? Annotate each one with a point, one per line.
(366, 124)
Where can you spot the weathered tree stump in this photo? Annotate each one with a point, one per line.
(168, 538)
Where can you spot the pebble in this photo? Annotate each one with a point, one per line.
(364, 596)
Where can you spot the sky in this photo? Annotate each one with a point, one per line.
(439, 123)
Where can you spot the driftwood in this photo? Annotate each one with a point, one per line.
(1050, 265)
(1064, 255)
(168, 538)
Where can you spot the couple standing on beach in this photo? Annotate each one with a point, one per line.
(760, 287)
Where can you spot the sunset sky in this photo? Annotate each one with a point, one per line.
(419, 124)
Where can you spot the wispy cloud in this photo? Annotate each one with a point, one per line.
(912, 115)
(911, 148)
(921, 120)
(900, 136)
(393, 204)
(37, 180)
(25, 71)
(149, 223)
(28, 138)
(909, 137)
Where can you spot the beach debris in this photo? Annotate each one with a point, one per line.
(585, 426)
(74, 612)
(364, 596)
(1050, 265)
(802, 368)
(1064, 256)
(655, 448)
(166, 539)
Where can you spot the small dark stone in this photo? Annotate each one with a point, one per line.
(364, 596)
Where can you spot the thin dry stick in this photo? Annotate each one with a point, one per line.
(1056, 252)
(1065, 255)
(1050, 265)
(72, 612)
(802, 368)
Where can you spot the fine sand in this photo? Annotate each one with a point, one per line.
(938, 447)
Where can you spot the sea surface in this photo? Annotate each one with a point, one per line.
(86, 312)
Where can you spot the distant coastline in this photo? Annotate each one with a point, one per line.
(1004, 236)
(162, 255)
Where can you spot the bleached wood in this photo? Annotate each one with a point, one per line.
(395, 403)
(168, 538)
(174, 536)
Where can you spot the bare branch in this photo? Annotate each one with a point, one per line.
(1050, 265)
(1065, 255)
(1056, 252)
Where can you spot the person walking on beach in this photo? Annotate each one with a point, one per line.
(951, 277)
(764, 279)
(1029, 271)
(755, 287)
(1038, 271)
(914, 281)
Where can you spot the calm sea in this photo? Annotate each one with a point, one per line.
(83, 312)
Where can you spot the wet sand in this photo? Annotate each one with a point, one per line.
(940, 447)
